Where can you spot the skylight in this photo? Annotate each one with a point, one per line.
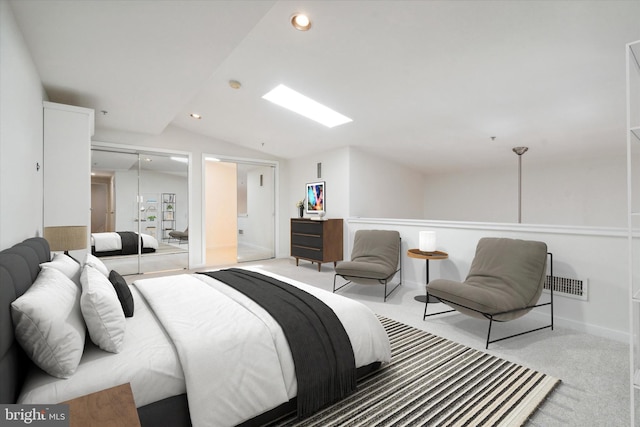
(305, 106)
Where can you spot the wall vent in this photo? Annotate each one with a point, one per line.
(563, 286)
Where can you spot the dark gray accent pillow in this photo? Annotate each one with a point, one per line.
(123, 291)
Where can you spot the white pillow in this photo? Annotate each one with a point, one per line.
(96, 263)
(48, 323)
(102, 310)
(65, 264)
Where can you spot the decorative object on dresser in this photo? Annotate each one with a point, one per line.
(317, 241)
(316, 197)
(300, 206)
(375, 259)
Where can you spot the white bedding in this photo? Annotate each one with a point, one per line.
(104, 242)
(148, 361)
(236, 359)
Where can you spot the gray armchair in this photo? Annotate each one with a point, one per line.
(375, 259)
(181, 236)
(505, 282)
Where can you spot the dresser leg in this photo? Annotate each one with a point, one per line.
(319, 265)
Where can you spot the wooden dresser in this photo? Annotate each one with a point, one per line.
(316, 241)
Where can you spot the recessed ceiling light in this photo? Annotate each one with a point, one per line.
(305, 106)
(300, 21)
(235, 84)
(196, 116)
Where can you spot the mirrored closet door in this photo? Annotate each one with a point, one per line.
(139, 210)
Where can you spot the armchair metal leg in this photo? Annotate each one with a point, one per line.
(385, 290)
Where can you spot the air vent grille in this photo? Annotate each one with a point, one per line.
(563, 286)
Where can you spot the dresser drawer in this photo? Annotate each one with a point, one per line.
(308, 253)
(307, 227)
(308, 240)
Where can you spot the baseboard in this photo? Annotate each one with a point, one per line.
(587, 328)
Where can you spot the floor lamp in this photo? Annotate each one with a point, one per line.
(520, 151)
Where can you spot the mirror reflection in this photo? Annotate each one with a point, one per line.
(139, 194)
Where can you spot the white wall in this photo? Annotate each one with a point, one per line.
(383, 189)
(597, 255)
(151, 184)
(21, 185)
(570, 191)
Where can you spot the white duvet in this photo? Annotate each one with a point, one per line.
(236, 360)
(104, 242)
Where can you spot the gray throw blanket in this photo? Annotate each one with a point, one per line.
(129, 241)
(321, 349)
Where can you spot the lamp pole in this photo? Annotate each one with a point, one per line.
(520, 151)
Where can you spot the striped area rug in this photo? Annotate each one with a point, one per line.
(432, 381)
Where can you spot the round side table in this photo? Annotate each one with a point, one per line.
(418, 254)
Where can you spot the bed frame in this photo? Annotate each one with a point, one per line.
(19, 267)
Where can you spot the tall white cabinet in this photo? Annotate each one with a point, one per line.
(67, 165)
(633, 188)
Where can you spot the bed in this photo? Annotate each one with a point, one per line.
(121, 243)
(224, 360)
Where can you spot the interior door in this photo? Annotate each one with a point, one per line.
(239, 212)
(256, 223)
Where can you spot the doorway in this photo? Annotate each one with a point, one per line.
(239, 211)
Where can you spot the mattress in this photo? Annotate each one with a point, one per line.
(148, 361)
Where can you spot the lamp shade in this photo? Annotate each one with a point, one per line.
(427, 241)
(66, 238)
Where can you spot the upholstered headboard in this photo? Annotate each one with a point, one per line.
(19, 267)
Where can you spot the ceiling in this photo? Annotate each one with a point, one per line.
(427, 83)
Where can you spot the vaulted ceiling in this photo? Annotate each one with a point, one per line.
(427, 83)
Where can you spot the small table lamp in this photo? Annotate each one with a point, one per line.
(427, 241)
(66, 238)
